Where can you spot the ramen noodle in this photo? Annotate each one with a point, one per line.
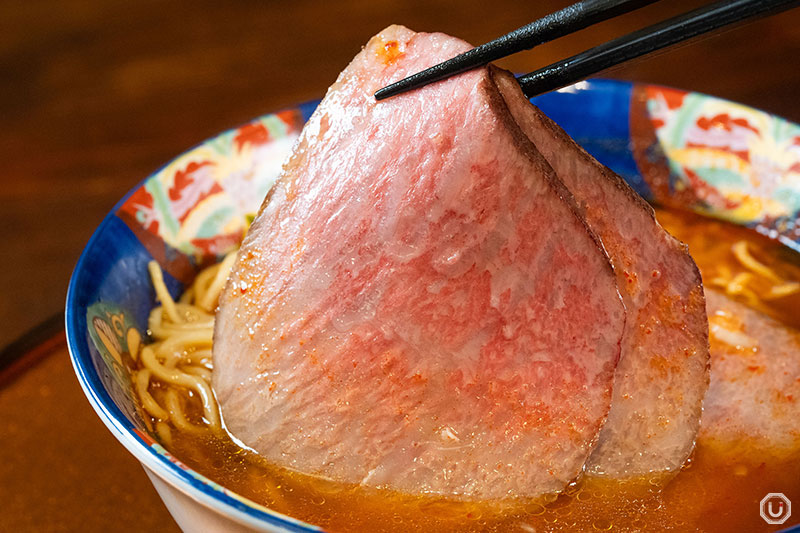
(173, 383)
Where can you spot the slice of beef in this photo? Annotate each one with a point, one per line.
(754, 397)
(418, 305)
(662, 375)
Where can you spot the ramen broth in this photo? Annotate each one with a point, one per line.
(718, 490)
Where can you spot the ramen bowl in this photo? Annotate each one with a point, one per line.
(681, 149)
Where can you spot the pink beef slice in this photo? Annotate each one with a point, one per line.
(418, 306)
(662, 375)
(754, 397)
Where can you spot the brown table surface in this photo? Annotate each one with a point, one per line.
(94, 95)
(60, 468)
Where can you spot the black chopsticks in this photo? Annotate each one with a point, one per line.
(594, 60)
(650, 39)
(563, 22)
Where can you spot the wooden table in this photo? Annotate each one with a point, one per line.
(97, 94)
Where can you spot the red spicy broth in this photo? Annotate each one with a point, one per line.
(719, 490)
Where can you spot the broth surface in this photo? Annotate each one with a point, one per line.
(719, 490)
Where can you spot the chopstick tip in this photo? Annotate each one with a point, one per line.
(390, 90)
(382, 94)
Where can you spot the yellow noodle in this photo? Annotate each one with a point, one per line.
(782, 290)
(738, 286)
(197, 358)
(739, 283)
(176, 377)
(154, 321)
(719, 282)
(161, 291)
(164, 433)
(751, 297)
(191, 315)
(189, 357)
(176, 413)
(202, 354)
(134, 340)
(198, 371)
(169, 359)
(742, 253)
(148, 402)
(188, 338)
(163, 330)
(187, 296)
(181, 356)
(181, 346)
(209, 299)
(203, 280)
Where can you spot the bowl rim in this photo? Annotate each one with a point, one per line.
(154, 457)
(151, 454)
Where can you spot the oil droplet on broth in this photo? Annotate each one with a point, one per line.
(589, 505)
(550, 519)
(602, 524)
(535, 509)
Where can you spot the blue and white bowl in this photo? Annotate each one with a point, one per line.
(677, 148)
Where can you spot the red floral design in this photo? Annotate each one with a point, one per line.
(292, 118)
(214, 186)
(218, 244)
(190, 187)
(140, 206)
(254, 134)
(672, 97)
(724, 121)
(724, 133)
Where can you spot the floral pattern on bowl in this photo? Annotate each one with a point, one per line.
(199, 203)
(720, 159)
(683, 149)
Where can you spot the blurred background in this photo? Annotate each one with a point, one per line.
(95, 95)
